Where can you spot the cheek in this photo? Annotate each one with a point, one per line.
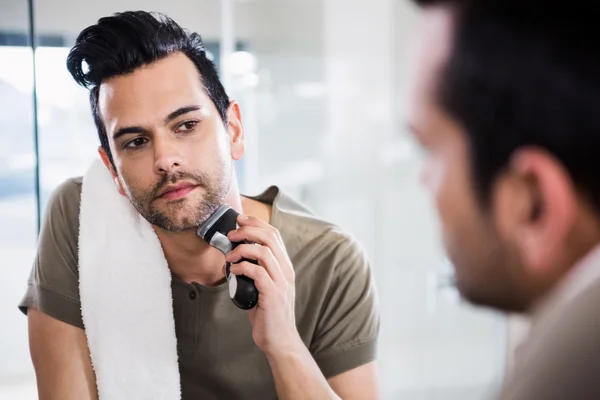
(431, 174)
(210, 144)
(446, 178)
(135, 178)
(434, 176)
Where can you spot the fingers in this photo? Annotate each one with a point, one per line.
(258, 223)
(261, 236)
(263, 282)
(262, 254)
(257, 231)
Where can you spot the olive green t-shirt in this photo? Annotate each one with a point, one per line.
(336, 304)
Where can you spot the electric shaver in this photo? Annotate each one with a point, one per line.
(214, 231)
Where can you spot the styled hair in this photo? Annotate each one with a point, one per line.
(525, 73)
(121, 43)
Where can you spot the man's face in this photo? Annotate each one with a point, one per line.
(485, 264)
(170, 147)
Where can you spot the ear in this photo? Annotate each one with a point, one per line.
(235, 129)
(110, 167)
(540, 203)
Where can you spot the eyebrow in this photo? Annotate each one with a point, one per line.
(128, 130)
(181, 111)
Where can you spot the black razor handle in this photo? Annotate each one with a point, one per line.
(214, 231)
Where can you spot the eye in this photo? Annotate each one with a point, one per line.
(187, 126)
(136, 143)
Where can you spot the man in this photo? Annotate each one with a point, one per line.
(169, 135)
(505, 104)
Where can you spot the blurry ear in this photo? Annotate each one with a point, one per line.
(235, 129)
(544, 207)
(108, 164)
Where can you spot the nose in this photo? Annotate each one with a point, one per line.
(168, 157)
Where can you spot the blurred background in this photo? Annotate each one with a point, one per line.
(321, 86)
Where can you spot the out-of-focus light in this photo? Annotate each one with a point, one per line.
(242, 63)
(54, 84)
(310, 90)
(400, 150)
(21, 161)
(16, 67)
(250, 80)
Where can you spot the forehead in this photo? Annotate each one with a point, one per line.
(151, 91)
(433, 47)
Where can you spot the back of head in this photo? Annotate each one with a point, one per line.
(507, 104)
(525, 73)
(121, 43)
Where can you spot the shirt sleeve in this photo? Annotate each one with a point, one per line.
(53, 285)
(348, 328)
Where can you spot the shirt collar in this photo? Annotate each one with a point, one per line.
(576, 281)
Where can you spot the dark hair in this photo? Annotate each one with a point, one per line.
(123, 42)
(525, 73)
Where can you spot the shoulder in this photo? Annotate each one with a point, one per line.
(566, 320)
(66, 195)
(312, 240)
(561, 352)
(63, 204)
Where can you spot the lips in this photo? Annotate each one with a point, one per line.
(178, 191)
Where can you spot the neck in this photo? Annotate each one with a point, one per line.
(191, 259)
(580, 244)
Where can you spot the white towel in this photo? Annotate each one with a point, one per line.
(126, 298)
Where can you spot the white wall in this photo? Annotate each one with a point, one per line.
(69, 17)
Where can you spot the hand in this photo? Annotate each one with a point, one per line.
(273, 319)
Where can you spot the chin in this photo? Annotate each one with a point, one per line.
(186, 222)
(497, 299)
(177, 227)
(174, 221)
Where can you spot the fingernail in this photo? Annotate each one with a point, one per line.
(242, 217)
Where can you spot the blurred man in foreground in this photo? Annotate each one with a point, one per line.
(506, 104)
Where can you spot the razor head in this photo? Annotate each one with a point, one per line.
(215, 229)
